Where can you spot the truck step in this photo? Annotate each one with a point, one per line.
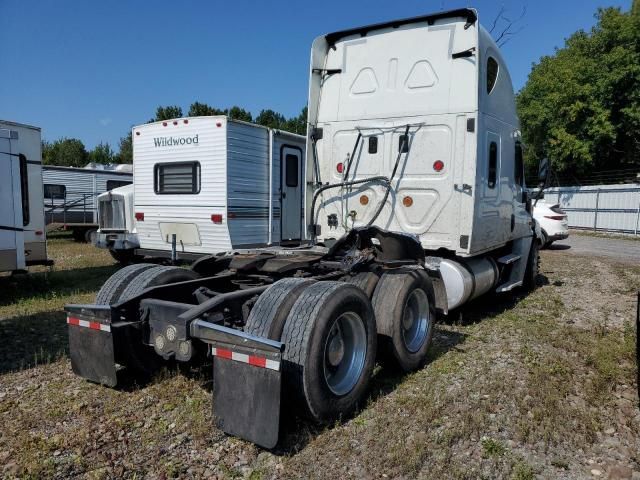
(509, 259)
(507, 287)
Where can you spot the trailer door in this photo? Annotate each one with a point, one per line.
(11, 228)
(291, 193)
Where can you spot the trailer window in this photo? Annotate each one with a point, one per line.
(111, 184)
(492, 73)
(24, 188)
(177, 178)
(373, 145)
(519, 166)
(291, 170)
(54, 192)
(493, 164)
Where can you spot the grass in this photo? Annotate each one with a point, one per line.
(512, 389)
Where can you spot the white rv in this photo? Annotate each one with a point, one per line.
(22, 233)
(217, 184)
(70, 195)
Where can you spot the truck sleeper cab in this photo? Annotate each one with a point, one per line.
(413, 206)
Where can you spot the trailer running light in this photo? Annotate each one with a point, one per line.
(216, 218)
(438, 165)
(164, 124)
(185, 121)
(137, 133)
(218, 124)
(175, 122)
(554, 217)
(140, 216)
(364, 200)
(340, 167)
(407, 201)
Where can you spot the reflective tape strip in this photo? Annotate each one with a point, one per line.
(244, 358)
(85, 323)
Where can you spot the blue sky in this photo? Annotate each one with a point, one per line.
(91, 70)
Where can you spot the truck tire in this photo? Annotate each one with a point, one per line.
(90, 235)
(404, 306)
(116, 284)
(330, 348)
(270, 312)
(533, 266)
(366, 281)
(154, 277)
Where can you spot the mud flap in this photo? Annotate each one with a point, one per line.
(246, 396)
(91, 343)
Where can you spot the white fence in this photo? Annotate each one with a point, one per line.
(612, 208)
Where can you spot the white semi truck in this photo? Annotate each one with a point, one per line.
(414, 204)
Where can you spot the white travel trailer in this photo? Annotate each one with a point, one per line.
(70, 195)
(218, 184)
(22, 233)
(414, 205)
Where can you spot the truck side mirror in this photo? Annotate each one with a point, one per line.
(543, 172)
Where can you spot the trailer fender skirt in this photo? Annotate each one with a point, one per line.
(246, 395)
(91, 345)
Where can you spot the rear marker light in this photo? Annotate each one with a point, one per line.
(175, 122)
(407, 201)
(364, 200)
(218, 124)
(137, 133)
(216, 218)
(164, 124)
(554, 217)
(185, 121)
(340, 167)
(438, 165)
(38, 232)
(140, 216)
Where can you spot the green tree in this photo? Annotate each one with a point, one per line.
(238, 113)
(167, 113)
(125, 150)
(198, 109)
(66, 152)
(271, 119)
(102, 153)
(298, 124)
(581, 106)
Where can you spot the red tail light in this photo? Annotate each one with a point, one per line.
(554, 217)
(140, 216)
(340, 167)
(216, 218)
(438, 165)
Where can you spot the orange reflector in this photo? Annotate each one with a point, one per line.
(364, 200)
(216, 218)
(407, 201)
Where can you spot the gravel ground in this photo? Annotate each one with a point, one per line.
(537, 386)
(618, 248)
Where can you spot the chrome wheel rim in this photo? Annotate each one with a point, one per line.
(344, 353)
(415, 320)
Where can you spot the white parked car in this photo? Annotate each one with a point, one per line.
(553, 222)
